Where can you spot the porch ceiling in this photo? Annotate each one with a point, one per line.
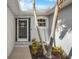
(14, 7)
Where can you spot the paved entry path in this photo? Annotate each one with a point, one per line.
(20, 53)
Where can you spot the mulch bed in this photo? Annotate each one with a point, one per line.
(40, 55)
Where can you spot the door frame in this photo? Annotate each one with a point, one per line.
(28, 29)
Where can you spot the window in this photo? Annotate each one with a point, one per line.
(42, 22)
(22, 28)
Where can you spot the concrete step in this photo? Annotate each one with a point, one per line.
(22, 44)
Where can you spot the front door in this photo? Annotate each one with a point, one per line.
(22, 29)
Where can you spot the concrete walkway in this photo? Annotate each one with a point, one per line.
(20, 53)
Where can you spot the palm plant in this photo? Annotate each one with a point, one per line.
(54, 24)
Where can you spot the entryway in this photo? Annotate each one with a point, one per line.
(23, 32)
(23, 29)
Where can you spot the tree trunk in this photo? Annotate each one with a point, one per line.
(52, 36)
(34, 10)
(54, 24)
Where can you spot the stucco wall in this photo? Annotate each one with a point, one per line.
(34, 34)
(10, 31)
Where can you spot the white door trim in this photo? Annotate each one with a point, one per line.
(22, 39)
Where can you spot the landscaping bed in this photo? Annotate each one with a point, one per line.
(37, 51)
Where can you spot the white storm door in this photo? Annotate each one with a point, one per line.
(22, 29)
